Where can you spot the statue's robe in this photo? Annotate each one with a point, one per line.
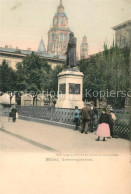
(71, 53)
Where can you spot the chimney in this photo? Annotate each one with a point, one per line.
(6, 46)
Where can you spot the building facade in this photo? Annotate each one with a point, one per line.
(123, 34)
(13, 56)
(58, 35)
(84, 48)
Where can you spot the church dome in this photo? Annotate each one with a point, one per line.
(58, 35)
(60, 19)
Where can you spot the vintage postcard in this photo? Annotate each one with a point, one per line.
(65, 96)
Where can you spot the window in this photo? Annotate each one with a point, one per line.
(53, 37)
(61, 37)
(122, 42)
(65, 37)
(62, 20)
(57, 20)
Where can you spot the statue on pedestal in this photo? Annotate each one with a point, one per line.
(71, 51)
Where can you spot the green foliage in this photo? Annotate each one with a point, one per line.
(7, 78)
(54, 78)
(107, 71)
(32, 74)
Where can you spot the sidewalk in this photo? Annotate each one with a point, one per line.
(64, 139)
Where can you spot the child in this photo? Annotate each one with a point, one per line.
(76, 117)
(103, 129)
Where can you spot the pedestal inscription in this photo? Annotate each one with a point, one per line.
(74, 88)
(62, 88)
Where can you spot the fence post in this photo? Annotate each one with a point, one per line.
(30, 111)
(52, 112)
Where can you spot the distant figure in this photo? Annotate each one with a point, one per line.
(86, 117)
(13, 112)
(103, 129)
(71, 51)
(113, 118)
(94, 118)
(76, 117)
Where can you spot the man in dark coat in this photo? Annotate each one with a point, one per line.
(86, 114)
(94, 118)
(13, 112)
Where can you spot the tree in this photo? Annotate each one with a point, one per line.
(7, 79)
(54, 78)
(32, 75)
(107, 71)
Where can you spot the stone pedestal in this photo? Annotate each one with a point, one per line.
(70, 88)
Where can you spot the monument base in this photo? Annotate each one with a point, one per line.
(69, 104)
(70, 88)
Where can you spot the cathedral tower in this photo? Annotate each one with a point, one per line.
(84, 48)
(58, 35)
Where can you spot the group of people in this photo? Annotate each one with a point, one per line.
(88, 119)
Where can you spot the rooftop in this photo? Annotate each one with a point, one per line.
(124, 24)
(22, 53)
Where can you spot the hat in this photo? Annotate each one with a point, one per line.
(71, 34)
(104, 109)
(88, 103)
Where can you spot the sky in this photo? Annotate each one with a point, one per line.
(24, 22)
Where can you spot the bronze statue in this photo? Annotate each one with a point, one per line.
(71, 51)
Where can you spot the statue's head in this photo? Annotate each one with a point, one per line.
(71, 34)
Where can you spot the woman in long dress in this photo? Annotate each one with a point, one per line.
(103, 129)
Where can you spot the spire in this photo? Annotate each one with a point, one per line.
(41, 47)
(60, 8)
(84, 48)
